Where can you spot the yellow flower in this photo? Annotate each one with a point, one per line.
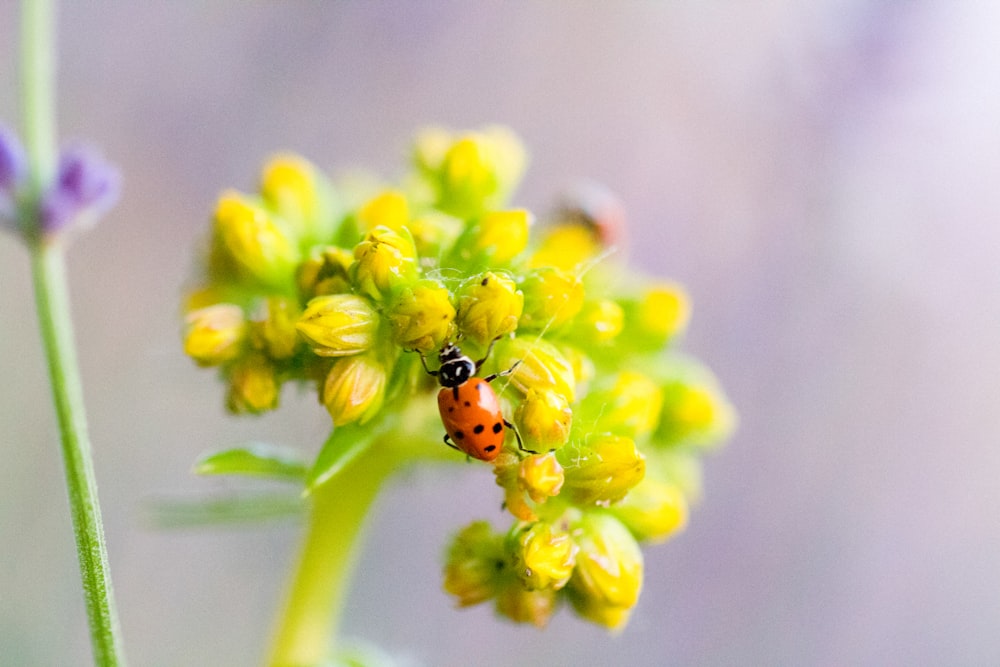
(215, 334)
(601, 470)
(654, 510)
(540, 476)
(630, 407)
(542, 366)
(421, 316)
(338, 325)
(566, 246)
(325, 271)
(544, 418)
(500, 236)
(384, 259)
(473, 172)
(525, 606)
(694, 413)
(474, 564)
(551, 298)
(254, 241)
(607, 579)
(294, 189)
(354, 389)
(387, 209)
(253, 386)
(598, 322)
(277, 330)
(661, 313)
(489, 305)
(544, 556)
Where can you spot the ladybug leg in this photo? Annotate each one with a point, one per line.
(501, 374)
(423, 360)
(447, 441)
(520, 444)
(479, 364)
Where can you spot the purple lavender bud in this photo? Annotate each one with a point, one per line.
(11, 161)
(86, 184)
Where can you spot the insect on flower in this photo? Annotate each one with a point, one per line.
(469, 407)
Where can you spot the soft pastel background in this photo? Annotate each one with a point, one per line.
(821, 175)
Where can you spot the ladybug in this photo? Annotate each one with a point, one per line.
(469, 407)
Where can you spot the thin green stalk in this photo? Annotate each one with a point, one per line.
(57, 334)
(55, 322)
(307, 630)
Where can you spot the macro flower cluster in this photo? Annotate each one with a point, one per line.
(344, 286)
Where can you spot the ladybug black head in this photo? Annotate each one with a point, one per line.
(456, 368)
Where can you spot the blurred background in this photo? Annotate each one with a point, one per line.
(822, 176)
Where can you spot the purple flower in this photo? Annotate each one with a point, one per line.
(11, 161)
(85, 185)
(11, 173)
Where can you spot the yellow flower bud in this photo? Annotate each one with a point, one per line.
(544, 556)
(325, 271)
(654, 510)
(507, 470)
(338, 325)
(525, 606)
(607, 579)
(253, 386)
(664, 311)
(551, 298)
(566, 246)
(693, 413)
(544, 418)
(540, 476)
(630, 407)
(434, 232)
(489, 306)
(385, 258)
(254, 241)
(387, 209)
(499, 236)
(296, 191)
(276, 330)
(474, 564)
(421, 316)
(542, 366)
(598, 322)
(474, 173)
(215, 334)
(601, 470)
(354, 389)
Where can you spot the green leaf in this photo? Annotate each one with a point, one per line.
(259, 459)
(220, 510)
(345, 444)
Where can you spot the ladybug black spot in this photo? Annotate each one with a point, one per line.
(497, 427)
(451, 408)
(479, 428)
(468, 405)
(458, 435)
(489, 448)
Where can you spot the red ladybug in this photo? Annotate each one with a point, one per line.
(470, 409)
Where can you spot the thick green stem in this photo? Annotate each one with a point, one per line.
(307, 630)
(51, 296)
(57, 334)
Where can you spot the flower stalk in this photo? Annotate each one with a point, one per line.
(307, 629)
(55, 323)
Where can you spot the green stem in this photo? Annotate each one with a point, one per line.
(38, 92)
(57, 334)
(55, 323)
(307, 629)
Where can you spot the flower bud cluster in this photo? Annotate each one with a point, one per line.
(307, 281)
